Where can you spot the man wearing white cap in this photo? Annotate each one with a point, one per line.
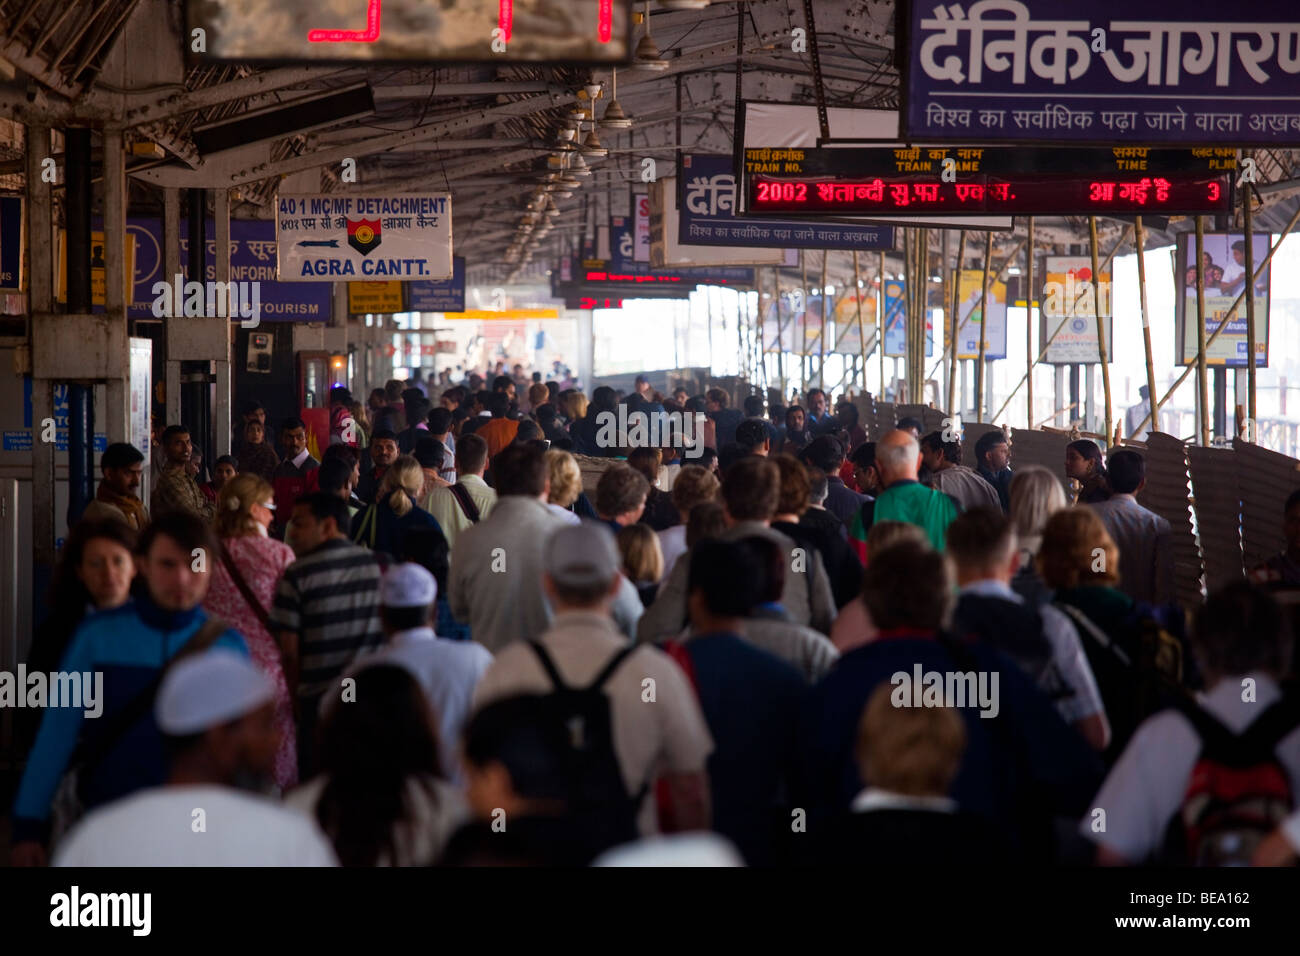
(447, 670)
(656, 724)
(216, 711)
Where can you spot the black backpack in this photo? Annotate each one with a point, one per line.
(581, 717)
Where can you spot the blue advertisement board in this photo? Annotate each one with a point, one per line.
(1172, 71)
(896, 321)
(706, 216)
(447, 295)
(252, 259)
(22, 440)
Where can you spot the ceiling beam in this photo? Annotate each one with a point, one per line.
(247, 164)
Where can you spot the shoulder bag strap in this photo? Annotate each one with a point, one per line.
(467, 505)
(244, 589)
(1097, 633)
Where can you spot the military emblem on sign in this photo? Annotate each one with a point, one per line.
(363, 235)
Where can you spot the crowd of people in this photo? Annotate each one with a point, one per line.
(441, 644)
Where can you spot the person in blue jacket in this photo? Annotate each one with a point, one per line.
(109, 734)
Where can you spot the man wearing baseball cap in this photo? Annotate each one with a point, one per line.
(657, 727)
(447, 670)
(216, 711)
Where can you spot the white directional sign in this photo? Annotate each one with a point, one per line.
(402, 238)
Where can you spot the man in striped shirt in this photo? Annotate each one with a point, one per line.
(326, 609)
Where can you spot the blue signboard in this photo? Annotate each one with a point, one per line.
(22, 440)
(1176, 71)
(706, 205)
(252, 259)
(445, 296)
(11, 242)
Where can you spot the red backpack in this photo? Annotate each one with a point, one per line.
(1238, 792)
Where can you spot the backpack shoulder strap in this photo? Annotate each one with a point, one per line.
(608, 670)
(1215, 737)
(548, 665)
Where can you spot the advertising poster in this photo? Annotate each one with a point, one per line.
(971, 314)
(1069, 297)
(1224, 256)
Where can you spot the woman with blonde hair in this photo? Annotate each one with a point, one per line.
(566, 484)
(643, 561)
(1036, 494)
(694, 486)
(383, 525)
(575, 406)
(245, 574)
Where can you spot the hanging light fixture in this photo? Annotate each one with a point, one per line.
(684, 4)
(615, 116)
(647, 55)
(592, 145)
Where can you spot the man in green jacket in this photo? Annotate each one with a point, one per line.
(898, 459)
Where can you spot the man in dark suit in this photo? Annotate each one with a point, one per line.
(1146, 569)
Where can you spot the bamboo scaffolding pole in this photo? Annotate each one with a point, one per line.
(1140, 237)
(984, 328)
(803, 351)
(862, 332)
(1101, 328)
(1248, 215)
(1202, 377)
(880, 324)
(821, 336)
(1029, 323)
(952, 323)
(780, 329)
(1056, 331)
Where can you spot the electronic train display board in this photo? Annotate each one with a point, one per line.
(911, 180)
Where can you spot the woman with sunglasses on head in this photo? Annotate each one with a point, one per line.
(245, 573)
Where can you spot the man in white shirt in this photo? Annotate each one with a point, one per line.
(665, 739)
(447, 670)
(495, 584)
(217, 712)
(460, 508)
(1242, 644)
(985, 554)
